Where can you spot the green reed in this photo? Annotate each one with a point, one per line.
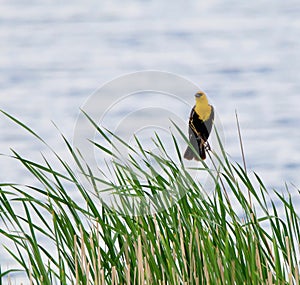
(200, 239)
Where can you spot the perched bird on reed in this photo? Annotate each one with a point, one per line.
(200, 125)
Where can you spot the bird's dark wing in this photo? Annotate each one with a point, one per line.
(194, 139)
(189, 153)
(192, 134)
(199, 131)
(199, 126)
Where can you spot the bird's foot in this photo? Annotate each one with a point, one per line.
(207, 146)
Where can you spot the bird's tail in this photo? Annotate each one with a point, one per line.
(189, 153)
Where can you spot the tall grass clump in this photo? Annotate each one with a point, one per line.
(200, 239)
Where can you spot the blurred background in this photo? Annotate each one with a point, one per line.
(244, 54)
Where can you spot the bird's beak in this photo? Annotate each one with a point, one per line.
(197, 95)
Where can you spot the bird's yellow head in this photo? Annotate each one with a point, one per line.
(201, 98)
(202, 108)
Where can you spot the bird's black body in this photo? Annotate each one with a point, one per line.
(199, 131)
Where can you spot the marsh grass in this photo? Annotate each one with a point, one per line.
(200, 239)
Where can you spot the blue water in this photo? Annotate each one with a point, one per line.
(244, 54)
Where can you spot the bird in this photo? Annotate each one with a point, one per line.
(200, 124)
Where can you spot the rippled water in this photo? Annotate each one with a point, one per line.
(245, 55)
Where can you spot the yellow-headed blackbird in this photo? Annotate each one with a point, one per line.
(200, 125)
